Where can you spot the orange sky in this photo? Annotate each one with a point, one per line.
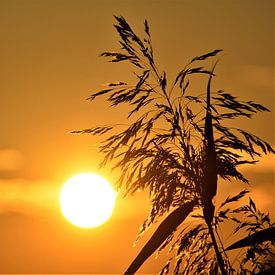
(50, 63)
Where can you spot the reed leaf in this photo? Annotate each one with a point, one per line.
(209, 184)
(267, 234)
(165, 229)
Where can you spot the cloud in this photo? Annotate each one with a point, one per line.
(28, 197)
(266, 164)
(264, 198)
(257, 76)
(10, 160)
(41, 198)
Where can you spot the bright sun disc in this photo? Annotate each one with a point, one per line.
(87, 200)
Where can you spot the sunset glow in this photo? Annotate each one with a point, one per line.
(59, 209)
(87, 200)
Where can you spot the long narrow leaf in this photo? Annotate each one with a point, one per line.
(209, 187)
(164, 230)
(256, 238)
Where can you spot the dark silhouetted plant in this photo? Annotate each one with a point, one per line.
(176, 146)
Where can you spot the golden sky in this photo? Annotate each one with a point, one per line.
(50, 63)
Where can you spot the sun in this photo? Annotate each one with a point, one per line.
(87, 200)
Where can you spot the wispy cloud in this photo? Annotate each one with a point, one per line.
(257, 76)
(10, 159)
(41, 198)
(266, 164)
(28, 197)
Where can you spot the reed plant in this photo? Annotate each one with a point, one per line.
(178, 146)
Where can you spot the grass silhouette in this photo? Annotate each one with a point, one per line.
(177, 147)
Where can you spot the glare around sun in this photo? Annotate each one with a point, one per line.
(87, 200)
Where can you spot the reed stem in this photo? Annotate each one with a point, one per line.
(218, 254)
